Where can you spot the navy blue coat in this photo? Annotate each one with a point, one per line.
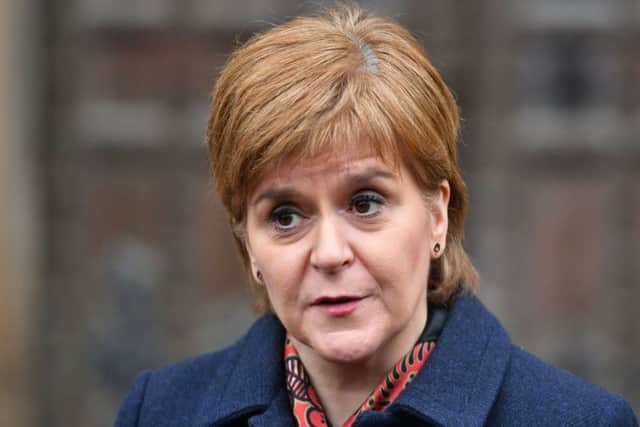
(474, 377)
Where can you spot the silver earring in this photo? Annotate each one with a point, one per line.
(259, 276)
(436, 248)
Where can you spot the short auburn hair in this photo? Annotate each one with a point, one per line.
(314, 85)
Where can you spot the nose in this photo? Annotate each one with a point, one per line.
(331, 250)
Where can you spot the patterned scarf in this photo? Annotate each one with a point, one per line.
(306, 406)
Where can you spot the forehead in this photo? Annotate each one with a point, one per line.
(363, 165)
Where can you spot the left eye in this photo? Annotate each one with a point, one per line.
(366, 204)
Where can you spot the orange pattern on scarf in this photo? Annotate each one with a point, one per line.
(306, 406)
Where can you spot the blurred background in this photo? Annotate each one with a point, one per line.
(114, 253)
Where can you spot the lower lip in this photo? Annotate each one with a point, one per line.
(340, 309)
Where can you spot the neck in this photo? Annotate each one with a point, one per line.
(343, 387)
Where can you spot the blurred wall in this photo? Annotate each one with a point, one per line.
(19, 227)
(137, 265)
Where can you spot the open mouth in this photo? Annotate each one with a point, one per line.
(338, 306)
(336, 300)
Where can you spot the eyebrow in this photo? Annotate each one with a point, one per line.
(276, 195)
(369, 174)
(286, 193)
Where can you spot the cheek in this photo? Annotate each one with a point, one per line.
(416, 240)
(418, 248)
(283, 269)
(398, 258)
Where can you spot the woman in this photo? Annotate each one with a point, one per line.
(333, 146)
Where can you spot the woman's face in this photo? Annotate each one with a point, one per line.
(343, 245)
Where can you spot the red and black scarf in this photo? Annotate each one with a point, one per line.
(306, 406)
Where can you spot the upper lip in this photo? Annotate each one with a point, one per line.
(334, 299)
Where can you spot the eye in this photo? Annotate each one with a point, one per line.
(366, 204)
(285, 218)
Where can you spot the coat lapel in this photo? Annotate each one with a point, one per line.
(278, 413)
(462, 378)
(251, 379)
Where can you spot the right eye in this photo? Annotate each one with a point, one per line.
(285, 218)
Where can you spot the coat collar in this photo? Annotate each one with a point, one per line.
(457, 386)
(253, 373)
(461, 380)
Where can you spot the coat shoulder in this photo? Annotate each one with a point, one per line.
(538, 394)
(205, 389)
(173, 392)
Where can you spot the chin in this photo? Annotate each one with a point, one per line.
(346, 347)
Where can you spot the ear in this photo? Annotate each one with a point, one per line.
(440, 209)
(255, 271)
